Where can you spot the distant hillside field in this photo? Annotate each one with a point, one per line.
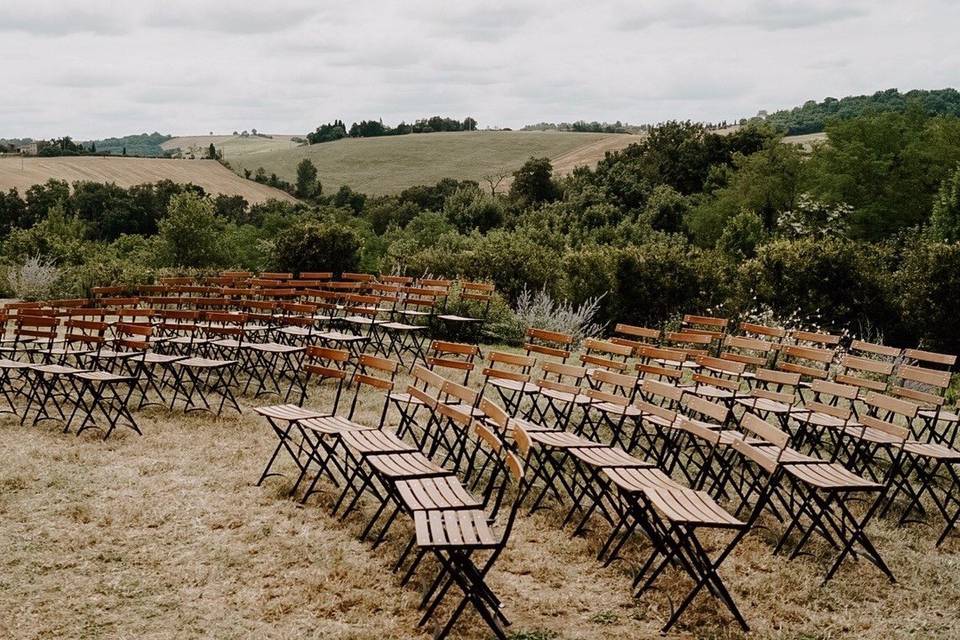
(21, 173)
(390, 164)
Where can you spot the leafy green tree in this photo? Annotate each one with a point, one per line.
(308, 186)
(43, 197)
(190, 232)
(888, 167)
(742, 235)
(945, 221)
(469, 208)
(347, 198)
(533, 182)
(666, 209)
(13, 211)
(211, 152)
(316, 246)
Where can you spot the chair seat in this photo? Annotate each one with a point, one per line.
(405, 398)
(110, 354)
(298, 332)
(687, 506)
(55, 369)
(639, 479)
(455, 318)
(337, 336)
(228, 343)
(332, 425)
(943, 416)
(710, 391)
(161, 358)
(823, 420)
(563, 396)
(205, 363)
(528, 426)
(13, 364)
(787, 456)
(606, 457)
(764, 405)
(514, 385)
(871, 435)
(629, 410)
(440, 492)
(454, 528)
(271, 347)
(931, 450)
(406, 465)
(288, 412)
(562, 440)
(367, 441)
(103, 376)
(401, 326)
(830, 477)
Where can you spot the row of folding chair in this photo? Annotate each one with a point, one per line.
(431, 480)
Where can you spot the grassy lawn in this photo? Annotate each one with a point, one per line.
(167, 536)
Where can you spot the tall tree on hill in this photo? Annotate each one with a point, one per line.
(308, 186)
(212, 152)
(533, 182)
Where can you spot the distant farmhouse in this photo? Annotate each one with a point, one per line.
(33, 148)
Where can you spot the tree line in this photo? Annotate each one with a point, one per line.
(374, 128)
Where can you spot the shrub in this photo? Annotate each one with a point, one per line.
(840, 281)
(34, 279)
(926, 287)
(743, 233)
(513, 261)
(541, 310)
(469, 208)
(317, 246)
(945, 221)
(647, 283)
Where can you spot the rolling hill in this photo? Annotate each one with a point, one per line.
(390, 164)
(21, 173)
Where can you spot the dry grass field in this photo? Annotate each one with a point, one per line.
(390, 164)
(21, 173)
(166, 536)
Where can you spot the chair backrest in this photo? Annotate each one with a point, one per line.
(427, 378)
(816, 339)
(455, 356)
(377, 373)
(661, 393)
(660, 363)
(861, 348)
(619, 384)
(864, 373)
(764, 430)
(832, 399)
(221, 325)
(35, 329)
(920, 384)
(548, 343)
(762, 331)
(810, 362)
(693, 344)
(703, 409)
(779, 386)
(930, 359)
(711, 326)
(132, 337)
(605, 355)
(477, 295)
(883, 412)
(86, 333)
(519, 369)
(753, 352)
(634, 337)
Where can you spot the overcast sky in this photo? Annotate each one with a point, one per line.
(95, 68)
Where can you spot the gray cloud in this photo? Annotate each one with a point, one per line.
(95, 68)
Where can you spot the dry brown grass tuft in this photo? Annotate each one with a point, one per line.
(166, 536)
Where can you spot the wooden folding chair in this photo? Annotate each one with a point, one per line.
(472, 310)
(711, 326)
(559, 393)
(927, 388)
(635, 337)
(600, 354)
(510, 375)
(452, 356)
(867, 374)
(321, 364)
(548, 343)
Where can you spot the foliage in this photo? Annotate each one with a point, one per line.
(926, 286)
(888, 167)
(742, 235)
(317, 246)
(945, 220)
(813, 116)
(308, 185)
(814, 219)
(35, 279)
(533, 182)
(540, 309)
(190, 233)
(469, 208)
